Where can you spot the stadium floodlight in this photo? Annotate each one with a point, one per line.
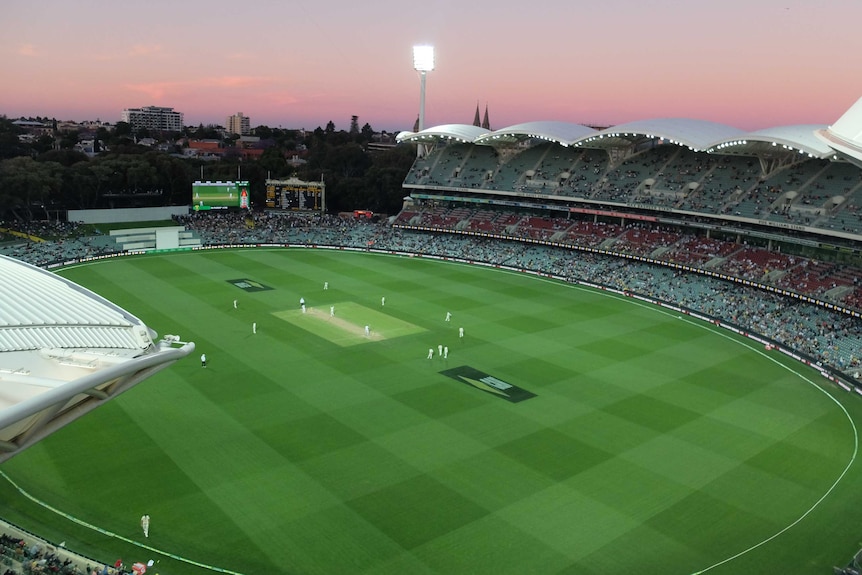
(423, 58)
(423, 62)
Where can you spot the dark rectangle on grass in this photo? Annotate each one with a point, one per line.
(248, 285)
(488, 383)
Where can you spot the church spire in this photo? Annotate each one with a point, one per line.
(485, 123)
(476, 117)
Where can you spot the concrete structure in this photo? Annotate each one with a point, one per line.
(105, 216)
(153, 118)
(238, 124)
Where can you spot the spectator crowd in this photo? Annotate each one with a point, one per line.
(829, 336)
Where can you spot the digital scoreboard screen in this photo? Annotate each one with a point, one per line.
(295, 195)
(219, 195)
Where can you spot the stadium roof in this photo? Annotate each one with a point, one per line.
(815, 141)
(563, 133)
(64, 351)
(694, 134)
(845, 135)
(458, 132)
(782, 139)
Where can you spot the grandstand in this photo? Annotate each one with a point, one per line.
(790, 177)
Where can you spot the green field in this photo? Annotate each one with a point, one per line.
(647, 443)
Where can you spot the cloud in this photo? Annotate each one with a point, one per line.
(145, 49)
(28, 50)
(136, 51)
(237, 81)
(159, 90)
(155, 90)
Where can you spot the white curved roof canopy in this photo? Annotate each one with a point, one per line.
(563, 133)
(63, 351)
(798, 138)
(695, 134)
(466, 133)
(845, 135)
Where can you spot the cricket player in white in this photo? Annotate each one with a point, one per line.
(301, 301)
(461, 332)
(234, 304)
(440, 349)
(254, 327)
(332, 311)
(448, 316)
(446, 352)
(367, 331)
(203, 360)
(383, 301)
(303, 308)
(145, 525)
(325, 286)
(430, 353)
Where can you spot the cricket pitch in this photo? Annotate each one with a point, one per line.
(346, 327)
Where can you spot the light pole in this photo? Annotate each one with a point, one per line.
(423, 62)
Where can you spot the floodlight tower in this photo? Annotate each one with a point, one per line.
(423, 62)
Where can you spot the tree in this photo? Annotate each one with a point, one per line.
(209, 132)
(65, 158)
(30, 185)
(263, 132)
(367, 133)
(122, 129)
(10, 145)
(68, 139)
(272, 161)
(43, 144)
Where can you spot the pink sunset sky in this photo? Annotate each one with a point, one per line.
(299, 63)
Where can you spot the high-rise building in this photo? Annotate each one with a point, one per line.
(238, 124)
(153, 118)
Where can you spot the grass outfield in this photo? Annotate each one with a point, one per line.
(653, 444)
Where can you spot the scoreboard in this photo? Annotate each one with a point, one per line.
(297, 195)
(219, 195)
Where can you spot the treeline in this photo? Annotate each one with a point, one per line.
(43, 178)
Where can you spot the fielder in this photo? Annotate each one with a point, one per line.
(440, 349)
(383, 301)
(430, 353)
(332, 311)
(448, 316)
(254, 327)
(234, 304)
(145, 525)
(461, 332)
(446, 352)
(367, 331)
(325, 286)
